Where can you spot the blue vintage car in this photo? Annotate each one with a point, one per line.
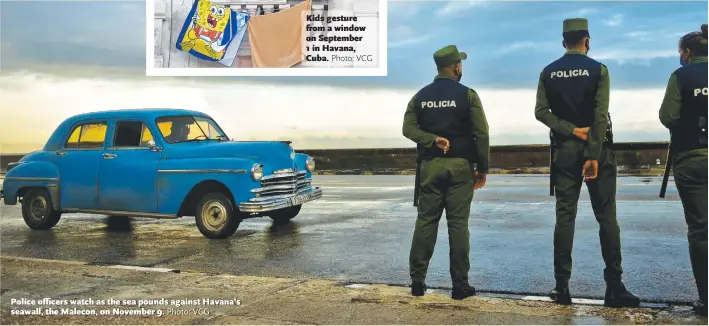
(162, 164)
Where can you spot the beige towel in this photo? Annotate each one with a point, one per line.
(277, 39)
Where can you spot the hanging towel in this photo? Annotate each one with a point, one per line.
(233, 49)
(277, 39)
(209, 29)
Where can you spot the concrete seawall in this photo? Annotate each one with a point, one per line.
(526, 158)
(520, 158)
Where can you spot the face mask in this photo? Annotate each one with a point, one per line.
(682, 61)
(460, 75)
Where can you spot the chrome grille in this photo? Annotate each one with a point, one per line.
(283, 182)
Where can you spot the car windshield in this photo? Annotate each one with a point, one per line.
(180, 129)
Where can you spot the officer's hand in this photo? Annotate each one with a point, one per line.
(581, 133)
(480, 179)
(443, 144)
(590, 170)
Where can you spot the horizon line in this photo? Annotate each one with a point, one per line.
(624, 144)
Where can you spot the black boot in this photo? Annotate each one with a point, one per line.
(462, 292)
(560, 294)
(418, 289)
(617, 296)
(700, 308)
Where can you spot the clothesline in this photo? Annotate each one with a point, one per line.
(259, 10)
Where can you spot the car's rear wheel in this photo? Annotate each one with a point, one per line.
(37, 210)
(284, 215)
(215, 216)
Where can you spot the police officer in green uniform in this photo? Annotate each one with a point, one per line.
(684, 113)
(447, 122)
(572, 100)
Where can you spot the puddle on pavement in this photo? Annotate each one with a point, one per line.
(356, 286)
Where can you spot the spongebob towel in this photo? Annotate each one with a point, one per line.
(277, 39)
(209, 29)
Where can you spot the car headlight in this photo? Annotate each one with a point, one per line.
(310, 164)
(256, 172)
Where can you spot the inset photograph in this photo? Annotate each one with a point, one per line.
(207, 37)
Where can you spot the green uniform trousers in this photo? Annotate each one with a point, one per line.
(690, 173)
(567, 176)
(446, 183)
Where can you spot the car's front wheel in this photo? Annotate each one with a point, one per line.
(284, 215)
(215, 216)
(37, 210)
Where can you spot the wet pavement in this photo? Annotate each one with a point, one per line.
(165, 297)
(360, 231)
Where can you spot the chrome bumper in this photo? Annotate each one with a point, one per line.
(271, 203)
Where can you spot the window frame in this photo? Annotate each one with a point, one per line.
(81, 131)
(193, 116)
(113, 147)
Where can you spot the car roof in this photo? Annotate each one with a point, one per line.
(57, 137)
(149, 114)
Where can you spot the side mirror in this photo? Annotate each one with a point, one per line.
(153, 147)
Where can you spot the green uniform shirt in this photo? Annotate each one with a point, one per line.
(597, 132)
(412, 131)
(672, 103)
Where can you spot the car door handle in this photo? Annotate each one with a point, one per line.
(61, 153)
(109, 156)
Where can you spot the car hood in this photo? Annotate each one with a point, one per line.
(272, 154)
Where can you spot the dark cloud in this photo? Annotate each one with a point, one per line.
(112, 34)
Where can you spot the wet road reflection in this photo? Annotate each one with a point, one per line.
(361, 231)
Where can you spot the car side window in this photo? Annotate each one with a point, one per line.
(73, 141)
(208, 128)
(146, 137)
(91, 135)
(165, 128)
(131, 134)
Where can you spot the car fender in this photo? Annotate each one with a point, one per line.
(300, 159)
(177, 178)
(31, 174)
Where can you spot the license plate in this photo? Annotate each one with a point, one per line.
(298, 200)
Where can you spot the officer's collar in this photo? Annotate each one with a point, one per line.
(443, 75)
(697, 60)
(575, 52)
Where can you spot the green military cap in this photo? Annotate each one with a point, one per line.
(575, 24)
(448, 55)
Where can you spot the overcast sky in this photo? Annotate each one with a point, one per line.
(60, 58)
